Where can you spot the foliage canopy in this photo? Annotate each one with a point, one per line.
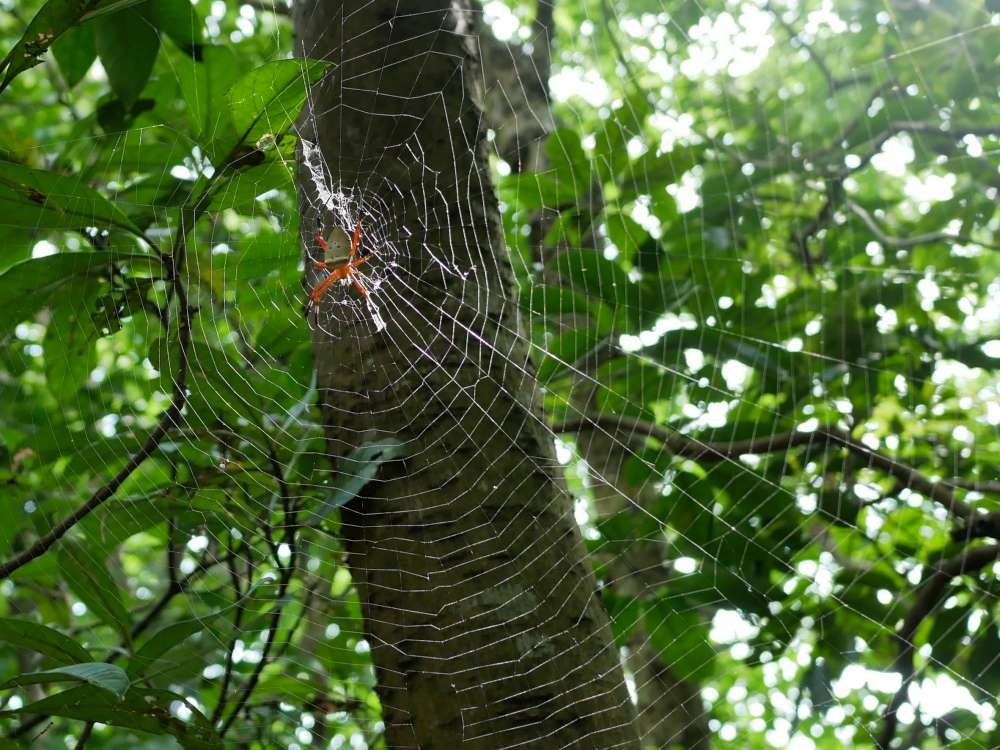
(758, 244)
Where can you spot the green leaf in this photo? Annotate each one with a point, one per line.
(69, 339)
(75, 51)
(52, 20)
(240, 192)
(89, 579)
(115, 522)
(27, 287)
(566, 307)
(623, 615)
(652, 171)
(267, 100)
(947, 632)
(162, 641)
(626, 234)
(143, 710)
(53, 644)
(592, 273)
(682, 640)
(35, 198)
(97, 673)
(203, 85)
(259, 256)
(107, 7)
(179, 20)
(568, 161)
(984, 661)
(529, 190)
(127, 43)
(357, 469)
(563, 352)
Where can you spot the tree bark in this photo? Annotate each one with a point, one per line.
(478, 598)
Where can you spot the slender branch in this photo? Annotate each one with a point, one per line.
(834, 194)
(919, 239)
(169, 418)
(272, 630)
(81, 743)
(931, 592)
(908, 476)
(930, 128)
(290, 528)
(976, 485)
(227, 675)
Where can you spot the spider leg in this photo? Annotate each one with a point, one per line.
(321, 242)
(356, 263)
(357, 285)
(320, 264)
(320, 290)
(354, 241)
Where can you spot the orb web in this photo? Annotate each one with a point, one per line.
(758, 318)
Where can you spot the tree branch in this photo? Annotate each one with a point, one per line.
(908, 476)
(169, 418)
(834, 194)
(904, 243)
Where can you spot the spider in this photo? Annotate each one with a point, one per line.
(348, 271)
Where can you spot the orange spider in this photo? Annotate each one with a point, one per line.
(347, 271)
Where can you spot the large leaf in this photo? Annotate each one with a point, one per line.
(144, 710)
(595, 275)
(682, 640)
(69, 340)
(35, 198)
(52, 20)
(179, 20)
(27, 287)
(31, 635)
(75, 51)
(651, 171)
(162, 641)
(88, 578)
(984, 661)
(267, 100)
(127, 43)
(203, 84)
(97, 673)
(567, 160)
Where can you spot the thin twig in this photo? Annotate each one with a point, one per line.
(227, 675)
(904, 243)
(931, 592)
(290, 529)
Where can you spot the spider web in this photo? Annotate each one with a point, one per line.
(753, 591)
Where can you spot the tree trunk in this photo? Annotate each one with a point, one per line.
(478, 598)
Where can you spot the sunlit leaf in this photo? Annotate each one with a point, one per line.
(97, 673)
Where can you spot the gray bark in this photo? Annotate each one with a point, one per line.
(478, 598)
